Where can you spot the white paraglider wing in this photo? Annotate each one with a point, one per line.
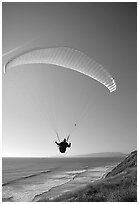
(68, 58)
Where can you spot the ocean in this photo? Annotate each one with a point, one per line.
(29, 179)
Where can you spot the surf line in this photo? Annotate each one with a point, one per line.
(37, 197)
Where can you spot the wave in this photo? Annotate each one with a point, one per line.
(76, 171)
(26, 177)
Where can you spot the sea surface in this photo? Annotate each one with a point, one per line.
(29, 179)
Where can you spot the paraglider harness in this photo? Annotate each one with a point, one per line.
(64, 144)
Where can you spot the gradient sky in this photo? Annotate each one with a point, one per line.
(38, 99)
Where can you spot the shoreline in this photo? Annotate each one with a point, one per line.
(79, 182)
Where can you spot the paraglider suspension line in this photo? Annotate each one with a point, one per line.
(57, 137)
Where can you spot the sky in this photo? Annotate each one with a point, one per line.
(39, 99)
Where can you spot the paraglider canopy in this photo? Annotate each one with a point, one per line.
(68, 58)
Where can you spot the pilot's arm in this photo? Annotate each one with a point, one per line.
(69, 145)
(57, 143)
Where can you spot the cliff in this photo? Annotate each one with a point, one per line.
(129, 162)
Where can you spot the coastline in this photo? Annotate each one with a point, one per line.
(79, 182)
(107, 182)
